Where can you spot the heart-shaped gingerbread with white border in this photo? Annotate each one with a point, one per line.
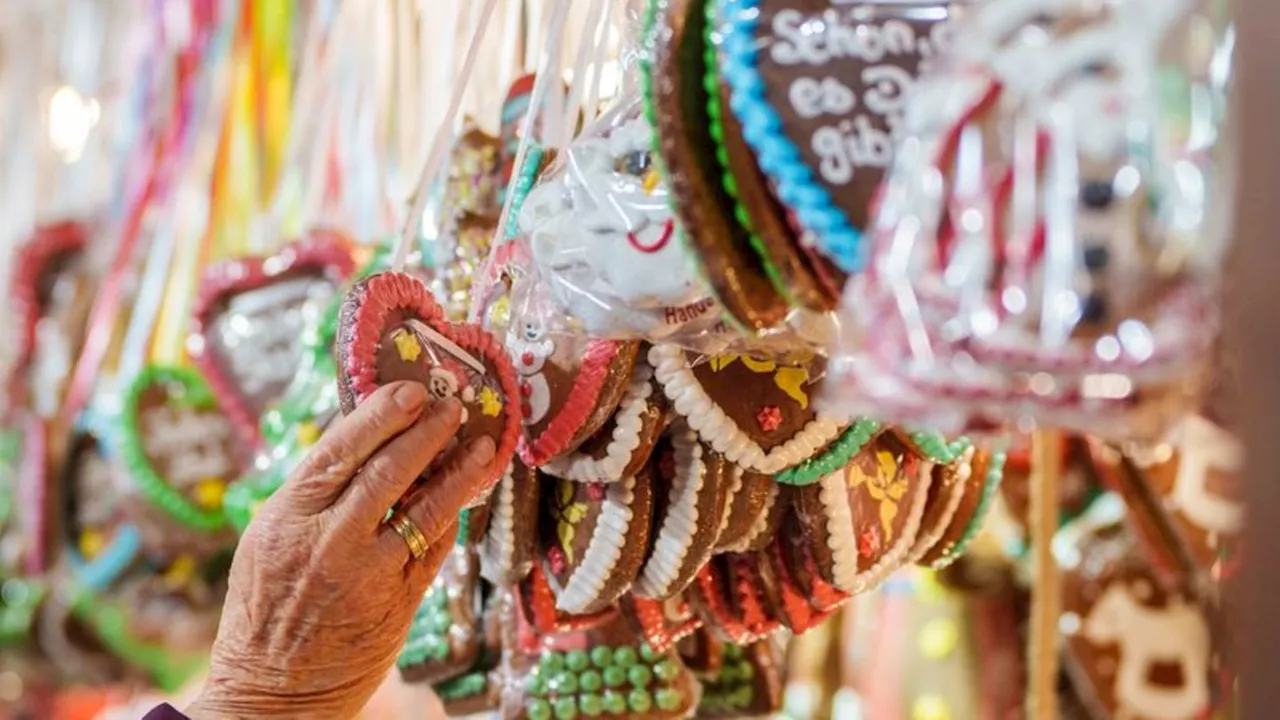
(391, 328)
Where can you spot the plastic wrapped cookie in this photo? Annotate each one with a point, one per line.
(1044, 246)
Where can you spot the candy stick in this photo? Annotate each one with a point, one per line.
(1046, 590)
(439, 148)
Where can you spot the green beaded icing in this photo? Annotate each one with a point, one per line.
(539, 710)
(836, 456)
(577, 660)
(615, 703)
(464, 687)
(666, 670)
(605, 680)
(110, 624)
(668, 699)
(590, 681)
(625, 656)
(564, 683)
(648, 654)
(601, 657)
(591, 704)
(991, 484)
(22, 599)
(639, 701)
(526, 176)
(428, 632)
(640, 676)
(731, 690)
(566, 708)
(615, 676)
(552, 662)
(193, 392)
(715, 115)
(935, 447)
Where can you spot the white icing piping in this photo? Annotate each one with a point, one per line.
(840, 540)
(581, 467)
(449, 346)
(498, 546)
(602, 553)
(931, 538)
(734, 489)
(722, 433)
(761, 523)
(892, 560)
(681, 523)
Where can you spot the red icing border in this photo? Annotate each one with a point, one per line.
(578, 407)
(706, 587)
(537, 607)
(44, 246)
(744, 577)
(363, 319)
(800, 613)
(656, 628)
(322, 250)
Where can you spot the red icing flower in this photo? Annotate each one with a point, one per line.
(868, 542)
(595, 491)
(770, 418)
(556, 556)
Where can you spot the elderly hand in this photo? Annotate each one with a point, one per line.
(322, 591)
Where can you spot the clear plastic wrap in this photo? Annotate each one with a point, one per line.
(1048, 242)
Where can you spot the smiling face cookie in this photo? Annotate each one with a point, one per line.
(391, 329)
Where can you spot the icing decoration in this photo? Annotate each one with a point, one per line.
(991, 481)
(663, 623)
(624, 442)
(837, 455)
(250, 317)
(748, 684)
(537, 603)
(174, 439)
(769, 418)
(506, 550)
(752, 513)
(695, 486)
(100, 546)
(389, 318)
(690, 389)
(846, 98)
(460, 253)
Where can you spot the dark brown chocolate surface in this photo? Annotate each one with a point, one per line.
(840, 84)
(975, 488)
(406, 354)
(754, 394)
(703, 207)
(745, 508)
(257, 335)
(653, 419)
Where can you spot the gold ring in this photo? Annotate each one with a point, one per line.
(407, 529)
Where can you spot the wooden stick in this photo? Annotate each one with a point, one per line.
(1046, 588)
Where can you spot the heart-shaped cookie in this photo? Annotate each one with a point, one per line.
(727, 595)
(820, 87)
(250, 318)
(691, 492)
(864, 518)
(623, 445)
(595, 537)
(510, 539)
(791, 583)
(753, 514)
(943, 540)
(569, 384)
(392, 329)
(537, 603)
(180, 449)
(756, 411)
(99, 543)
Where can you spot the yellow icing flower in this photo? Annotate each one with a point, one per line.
(208, 493)
(407, 345)
(180, 572)
(308, 433)
(490, 403)
(791, 380)
(886, 487)
(91, 543)
(567, 515)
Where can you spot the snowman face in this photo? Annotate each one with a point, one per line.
(532, 331)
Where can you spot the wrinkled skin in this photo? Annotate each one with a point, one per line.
(321, 591)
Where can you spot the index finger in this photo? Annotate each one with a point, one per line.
(327, 470)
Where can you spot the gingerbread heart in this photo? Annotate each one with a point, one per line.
(391, 329)
(250, 318)
(820, 88)
(510, 539)
(727, 596)
(977, 478)
(622, 447)
(756, 411)
(100, 544)
(569, 384)
(476, 691)
(791, 582)
(537, 604)
(595, 538)
(754, 512)
(691, 489)
(180, 449)
(864, 518)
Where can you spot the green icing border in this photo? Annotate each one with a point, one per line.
(836, 456)
(463, 687)
(995, 475)
(134, 457)
(715, 115)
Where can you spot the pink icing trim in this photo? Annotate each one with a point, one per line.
(744, 575)
(578, 406)
(654, 623)
(706, 588)
(374, 299)
(321, 251)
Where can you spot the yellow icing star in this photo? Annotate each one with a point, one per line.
(930, 707)
(938, 638)
(308, 433)
(180, 572)
(407, 345)
(791, 380)
(208, 493)
(490, 403)
(91, 543)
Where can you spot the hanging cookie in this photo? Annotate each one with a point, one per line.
(251, 315)
(748, 685)
(676, 102)
(864, 518)
(754, 511)
(180, 450)
(791, 583)
(727, 596)
(756, 411)
(624, 444)
(595, 538)
(976, 478)
(691, 485)
(392, 329)
(569, 384)
(99, 543)
(445, 637)
(662, 623)
(509, 545)
(538, 605)
(476, 691)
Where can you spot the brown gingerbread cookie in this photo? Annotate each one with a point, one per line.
(978, 475)
(754, 512)
(727, 596)
(475, 691)
(691, 484)
(509, 544)
(862, 520)
(791, 583)
(676, 100)
(446, 637)
(391, 329)
(623, 445)
(756, 409)
(594, 539)
(748, 685)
